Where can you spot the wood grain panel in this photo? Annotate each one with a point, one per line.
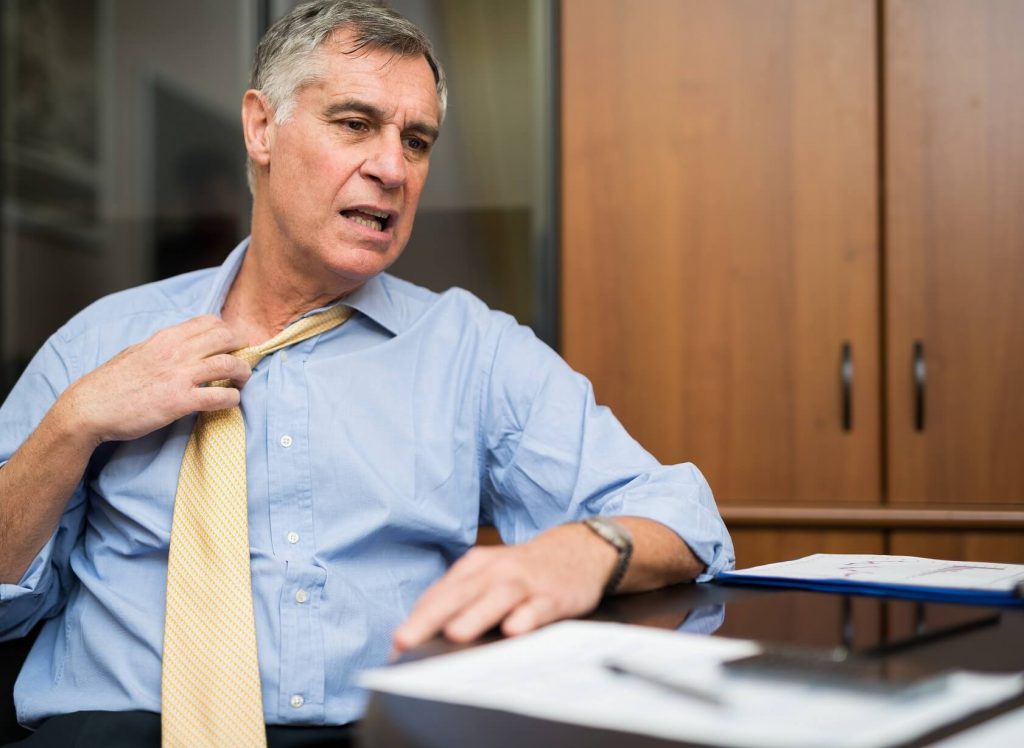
(488, 535)
(948, 517)
(955, 248)
(764, 546)
(997, 547)
(719, 244)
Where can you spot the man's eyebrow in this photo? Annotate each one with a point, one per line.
(376, 114)
(353, 105)
(423, 128)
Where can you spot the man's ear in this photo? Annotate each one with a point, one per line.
(257, 126)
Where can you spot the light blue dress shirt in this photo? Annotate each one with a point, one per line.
(374, 450)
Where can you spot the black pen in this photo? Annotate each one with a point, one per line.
(684, 689)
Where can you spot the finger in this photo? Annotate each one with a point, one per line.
(462, 583)
(215, 398)
(535, 612)
(215, 338)
(486, 612)
(221, 366)
(435, 608)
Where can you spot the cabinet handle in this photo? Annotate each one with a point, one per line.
(846, 383)
(920, 379)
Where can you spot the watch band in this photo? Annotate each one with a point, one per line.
(620, 539)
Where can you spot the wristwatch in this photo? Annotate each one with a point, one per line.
(620, 539)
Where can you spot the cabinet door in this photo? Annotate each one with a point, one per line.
(719, 219)
(955, 249)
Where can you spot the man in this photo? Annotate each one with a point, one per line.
(372, 448)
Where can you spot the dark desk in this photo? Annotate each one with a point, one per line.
(983, 639)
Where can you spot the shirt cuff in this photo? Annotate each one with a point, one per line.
(35, 577)
(20, 603)
(687, 509)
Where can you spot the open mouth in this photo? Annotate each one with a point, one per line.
(372, 219)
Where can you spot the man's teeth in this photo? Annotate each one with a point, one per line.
(372, 223)
(372, 219)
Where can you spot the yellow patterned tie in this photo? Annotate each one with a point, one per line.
(210, 689)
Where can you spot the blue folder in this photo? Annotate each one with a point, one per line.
(874, 589)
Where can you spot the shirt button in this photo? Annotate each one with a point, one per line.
(293, 537)
(301, 596)
(286, 441)
(296, 701)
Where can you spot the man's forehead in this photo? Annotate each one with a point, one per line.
(384, 78)
(346, 50)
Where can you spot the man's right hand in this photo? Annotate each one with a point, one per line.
(142, 389)
(156, 382)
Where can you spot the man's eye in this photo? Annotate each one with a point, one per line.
(355, 125)
(417, 144)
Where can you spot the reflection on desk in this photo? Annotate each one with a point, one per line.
(1001, 732)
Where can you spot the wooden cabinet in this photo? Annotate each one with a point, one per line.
(765, 206)
(954, 249)
(719, 242)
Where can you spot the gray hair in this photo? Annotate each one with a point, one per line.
(286, 55)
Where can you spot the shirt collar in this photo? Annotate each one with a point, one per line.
(223, 279)
(371, 299)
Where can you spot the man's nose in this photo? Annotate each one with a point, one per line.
(386, 162)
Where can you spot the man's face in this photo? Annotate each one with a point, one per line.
(348, 166)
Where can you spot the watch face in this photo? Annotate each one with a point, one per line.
(614, 533)
(618, 537)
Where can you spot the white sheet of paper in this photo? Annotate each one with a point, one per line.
(557, 673)
(910, 570)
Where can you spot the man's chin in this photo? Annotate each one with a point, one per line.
(360, 265)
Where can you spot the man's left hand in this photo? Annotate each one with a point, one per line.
(559, 574)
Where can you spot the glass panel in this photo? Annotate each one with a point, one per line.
(485, 221)
(122, 157)
(50, 164)
(486, 218)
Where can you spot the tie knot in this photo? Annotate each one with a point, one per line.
(296, 332)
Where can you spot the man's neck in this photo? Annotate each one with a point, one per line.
(267, 295)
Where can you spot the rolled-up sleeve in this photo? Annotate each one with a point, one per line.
(553, 455)
(42, 590)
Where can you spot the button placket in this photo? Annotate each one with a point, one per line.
(300, 694)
